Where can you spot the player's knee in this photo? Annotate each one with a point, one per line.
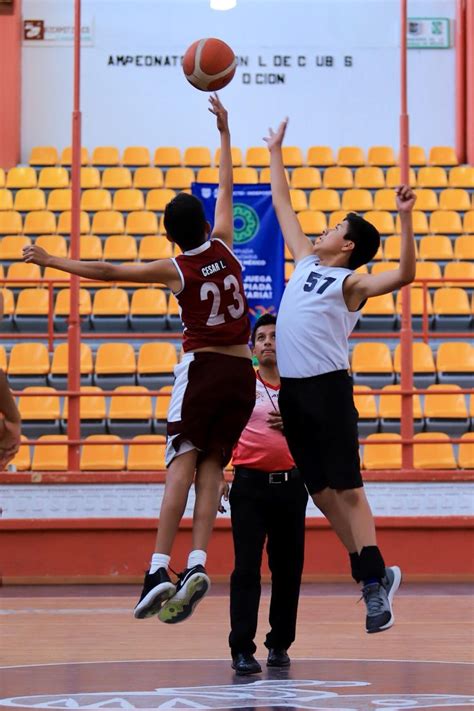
(351, 497)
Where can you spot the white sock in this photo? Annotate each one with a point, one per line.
(196, 557)
(159, 560)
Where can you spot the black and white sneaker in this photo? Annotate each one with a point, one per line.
(391, 583)
(378, 598)
(193, 584)
(157, 589)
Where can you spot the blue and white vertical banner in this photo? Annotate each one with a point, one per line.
(258, 243)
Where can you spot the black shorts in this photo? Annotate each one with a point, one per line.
(320, 425)
(212, 400)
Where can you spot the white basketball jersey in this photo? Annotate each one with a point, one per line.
(314, 323)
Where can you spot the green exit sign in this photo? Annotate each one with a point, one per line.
(428, 33)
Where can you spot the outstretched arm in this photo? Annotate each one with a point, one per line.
(299, 245)
(159, 271)
(224, 216)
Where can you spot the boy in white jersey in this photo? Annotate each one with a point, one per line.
(319, 309)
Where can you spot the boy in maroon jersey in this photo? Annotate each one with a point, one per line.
(214, 390)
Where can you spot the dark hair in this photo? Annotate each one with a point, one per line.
(264, 320)
(185, 221)
(366, 240)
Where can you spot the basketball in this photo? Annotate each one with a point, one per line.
(209, 64)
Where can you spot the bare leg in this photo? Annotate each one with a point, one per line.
(356, 510)
(208, 494)
(328, 503)
(178, 481)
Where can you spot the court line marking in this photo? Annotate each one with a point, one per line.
(219, 659)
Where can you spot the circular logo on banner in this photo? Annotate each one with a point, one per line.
(246, 223)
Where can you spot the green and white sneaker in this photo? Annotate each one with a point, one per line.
(193, 584)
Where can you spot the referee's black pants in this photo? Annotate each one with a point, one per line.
(276, 512)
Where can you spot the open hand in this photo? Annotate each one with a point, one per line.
(406, 198)
(219, 111)
(275, 421)
(36, 255)
(224, 494)
(275, 139)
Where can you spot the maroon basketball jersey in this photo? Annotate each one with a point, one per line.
(214, 309)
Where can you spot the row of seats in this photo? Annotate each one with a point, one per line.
(254, 156)
(307, 178)
(142, 222)
(112, 455)
(326, 200)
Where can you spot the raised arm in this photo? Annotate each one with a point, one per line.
(224, 215)
(299, 245)
(159, 271)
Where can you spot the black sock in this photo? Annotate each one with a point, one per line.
(355, 566)
(371, 564)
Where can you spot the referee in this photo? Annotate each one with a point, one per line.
(268, 501)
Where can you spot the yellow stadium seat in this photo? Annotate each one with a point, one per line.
(338, 177)
(21, 177)
(350, 156)
(378, 313)
(381, 155)
(129, 416)
(65, 225)
(208, 175)
(60, 200)
(442, 155)
(92, 411)
(90, 178)
(424, 370)
(324, 200)
(419, 220)
(292, 156)
(382, 220)
(50, 457)
(173, 315)
(236, 154)
(44, 155)
(54, 244)
(179, 178)
(445, 222)
(257, 157)
(61, 311)
(148, 178)
(161, 409)
(31, 312)
(156, 363)
(153, 247)
(116, 178)
(21, 271)
(455, 363)
(416, 305)
(432, 177)
(245, 175)
(437, 247)
(417, 155)
(391, 248)
(136, 156)
(320, 156)
(6, 199)
(426, 199)
(11, 247)
(95, 200)
(3, 356)
(366, 406)
(385, 199)
(464, 247)
(167, 156)
(115, 364)
(110, 310)
(8, 310)
(22, 460)
(383, 456)
(10, 222)
(468, 222)
(90, 247)
(29, 199)
(451, 309)
(53, 178)
(298, 200)
(148, 310)
(57, 276)
(466, 451)
(428, 270)
(107, 456)
(147, 457)
(433, 456)
(390, 410)
(459, 270)
(105, 155)
(369, 177)
(197, 157)
(39, 415)
(312, 222)
(446, 412)
(454, 199)
(120, 248)
(305, 178)
(462, 176)
(372, 364)
(157, 199)
(356, 200)
(265, 175)
(66, 156)
(108, 222)
(39, 222)
(2, 178)
(336, 217)
(393, 177)
(142, 222)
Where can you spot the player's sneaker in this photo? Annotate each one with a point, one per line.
(157, 588)
(391, 583)
(193, 584)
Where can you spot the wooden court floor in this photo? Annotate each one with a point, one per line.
(80, 647)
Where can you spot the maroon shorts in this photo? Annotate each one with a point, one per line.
(212, 400)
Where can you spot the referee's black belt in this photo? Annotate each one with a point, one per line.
(279, 477)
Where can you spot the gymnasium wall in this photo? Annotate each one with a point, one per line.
(331, 65)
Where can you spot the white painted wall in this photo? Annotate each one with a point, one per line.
(129, 105)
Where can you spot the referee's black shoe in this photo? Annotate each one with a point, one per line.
(278, 658)
(157, 589)
(245, 664)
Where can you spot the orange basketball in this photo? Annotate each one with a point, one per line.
(209, 64)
